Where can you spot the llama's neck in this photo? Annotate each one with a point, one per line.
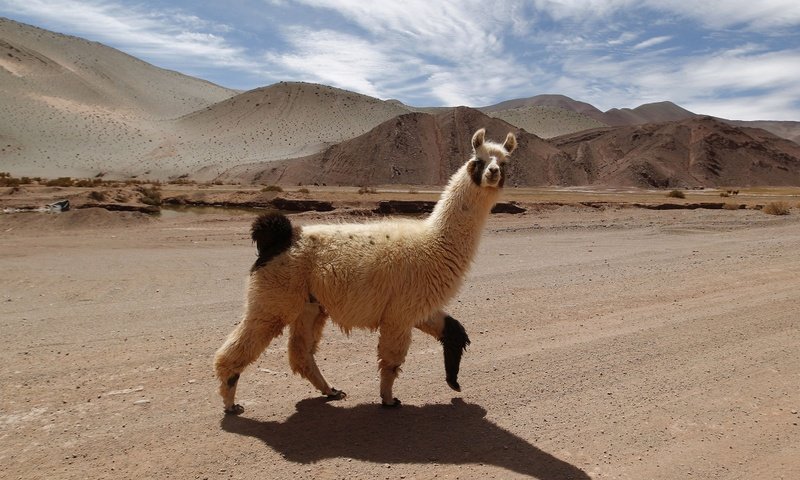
(460, 214)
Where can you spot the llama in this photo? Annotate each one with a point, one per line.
(391, 276)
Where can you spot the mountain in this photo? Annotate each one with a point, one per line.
(786, 129)
(547, 100)
(647, 113)
(414, 149)
(699, 151)
(80, 108)
(71, 107)
(52, 68)
(547, 122)
(285, 120)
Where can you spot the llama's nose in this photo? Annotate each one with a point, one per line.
(494, 169)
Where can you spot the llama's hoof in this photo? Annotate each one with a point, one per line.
(336, 395)
(234, 409)
(454, 384)
(395, 403)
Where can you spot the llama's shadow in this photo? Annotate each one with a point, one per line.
(458, 433)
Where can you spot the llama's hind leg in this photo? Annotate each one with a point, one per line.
(454, 339)
(241, 348)
(304, 336)
(392, 349)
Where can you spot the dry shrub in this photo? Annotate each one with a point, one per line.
(7, 180)
(150, 195)
(724, 194)
(303, 190)
(272, 188)
(97, 196)
(777, 208)
(60, 182)
(731, 206)
(363, 189)
(676, 194)
(88, 182)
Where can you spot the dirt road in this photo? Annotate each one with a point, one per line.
(617, 343)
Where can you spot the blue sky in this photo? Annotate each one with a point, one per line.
(731, 58)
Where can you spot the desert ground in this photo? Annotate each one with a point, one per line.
(609, 342)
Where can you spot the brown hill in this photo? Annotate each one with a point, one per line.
(547, 122)
(415, 149)
(657, 112)
(548, 100)
(281, 121)
(647, 113)
(700, 151)
(786, 129)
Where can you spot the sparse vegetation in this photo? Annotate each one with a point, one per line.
(272, 188)
(724, 194)
(182, 180)
(303, 190)
(776, 208)
(88, 182)
(676, 194)
(6, 180)
(731, 206)
(150, 195)
(60, 182)
(364, 189)
(97, 196)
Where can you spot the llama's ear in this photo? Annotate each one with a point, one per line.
(478, 138)
(511, 143)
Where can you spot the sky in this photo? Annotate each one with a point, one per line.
(737, 59)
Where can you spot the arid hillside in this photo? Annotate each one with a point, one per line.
(547, 122)
(72, 107)
(412, 149)
(647, 113)
(700, 151)
(285, 120)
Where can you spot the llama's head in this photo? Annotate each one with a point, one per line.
(487, 167)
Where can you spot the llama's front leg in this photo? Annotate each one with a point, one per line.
(305, 334)
(392, 349)
(454, 339)
(241, 348)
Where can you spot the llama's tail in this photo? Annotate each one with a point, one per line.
(272, 234)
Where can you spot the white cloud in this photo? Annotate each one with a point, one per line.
(173, 37)
(454, 51)
(754, 15)
(761, 15)
(338, 59)
(472, 52)
(651, 42)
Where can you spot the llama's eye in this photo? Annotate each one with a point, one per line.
(475, 169)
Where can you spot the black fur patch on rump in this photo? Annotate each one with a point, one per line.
(454, 343)
(272, 233)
